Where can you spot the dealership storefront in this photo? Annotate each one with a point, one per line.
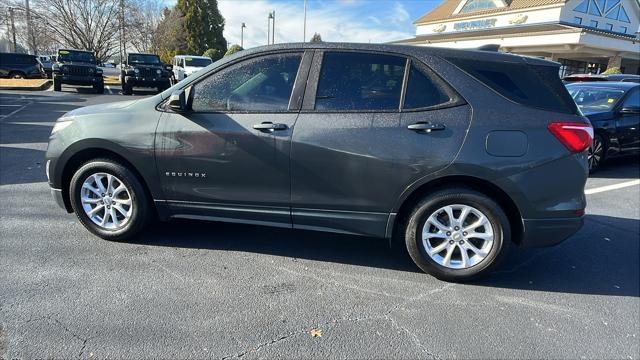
(583, 35)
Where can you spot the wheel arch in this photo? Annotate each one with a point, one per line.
(477, 184)
(81, 157)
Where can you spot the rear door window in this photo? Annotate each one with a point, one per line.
(423, 91)
(359, 81)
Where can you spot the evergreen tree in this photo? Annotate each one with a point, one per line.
(316, 38)
(202, 25)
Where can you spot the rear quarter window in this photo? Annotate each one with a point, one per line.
(536, 86)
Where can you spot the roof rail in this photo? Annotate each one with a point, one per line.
(489, 47)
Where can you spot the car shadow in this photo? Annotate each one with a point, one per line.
(601, 259)
(21, 165)
(625, 167)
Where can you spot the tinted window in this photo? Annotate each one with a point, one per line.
(78, 56)
(357, 81)
(422, 92)
(143, 59)
(197, 62)
(259, 84)
(633, 99)
(536, 86)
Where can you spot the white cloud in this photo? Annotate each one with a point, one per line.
(334, 22)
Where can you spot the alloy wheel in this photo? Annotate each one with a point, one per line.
(106, 200)
(457, 236)
(596, 151)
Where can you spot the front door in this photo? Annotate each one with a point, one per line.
(228, 157)
(628, 124)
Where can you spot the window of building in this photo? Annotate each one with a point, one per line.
(623, 29)
(422, 92)
(260, 84)
(610, 9)
(609, 27)
(577, 20)
(593, 24)
(360, 81)
(478, 5)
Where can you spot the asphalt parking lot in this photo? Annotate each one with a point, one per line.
(211, 290)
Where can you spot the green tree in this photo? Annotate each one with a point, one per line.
(202, 25)
(214, 54)
(612, 70)
(233, 49)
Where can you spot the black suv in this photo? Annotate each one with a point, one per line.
(144, 70)
(20, 66)
(77, 67)
(455, 154)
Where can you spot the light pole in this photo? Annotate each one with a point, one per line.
(13, 30)
(269, 17)
(273, 31)
(304, 28)
(242, 35)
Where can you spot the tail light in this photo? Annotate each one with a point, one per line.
(577, 137)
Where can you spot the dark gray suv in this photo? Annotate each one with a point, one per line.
(454, 154)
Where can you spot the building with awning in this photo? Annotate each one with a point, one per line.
(585, 36)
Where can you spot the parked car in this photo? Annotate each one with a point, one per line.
(455, 154)
(20, 66)
(186, 65)
(592, 78)
(614, 111)
(77, 67)
(144, 70)
(47, 62)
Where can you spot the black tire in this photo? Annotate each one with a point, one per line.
(414, 223)
(99, 88)
(57, 86)
(127, 89)
(597, 153)
(141, 212)
(17, 75)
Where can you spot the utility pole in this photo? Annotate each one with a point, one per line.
(123, 44)
(242, 35)
(304, 28)
(13, 30)
(32, 40)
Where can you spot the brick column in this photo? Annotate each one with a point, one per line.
(614, 61)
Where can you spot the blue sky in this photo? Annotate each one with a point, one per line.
(335, 20)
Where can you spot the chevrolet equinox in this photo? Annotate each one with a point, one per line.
(456, 154)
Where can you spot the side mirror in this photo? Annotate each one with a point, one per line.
(630, 110)
(178, 101)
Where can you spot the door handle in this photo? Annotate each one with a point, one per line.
(269, 126)
(426, 127)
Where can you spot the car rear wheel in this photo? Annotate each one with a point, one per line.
(457, 234)
(57, 86)
(17, 75)
(109, 200)
(596, 153)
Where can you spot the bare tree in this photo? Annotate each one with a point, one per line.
(141, 23)
(80, 24)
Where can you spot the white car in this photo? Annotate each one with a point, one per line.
(186, 65)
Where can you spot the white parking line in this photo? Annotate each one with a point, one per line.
(612, 187)
(16, 110)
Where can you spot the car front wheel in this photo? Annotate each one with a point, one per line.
(109, 200)
(457, 234)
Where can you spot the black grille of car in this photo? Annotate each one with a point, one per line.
(78, 70)
(148, 73)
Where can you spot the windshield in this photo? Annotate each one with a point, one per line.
(196, 62)
(76, 56)
(143, 59)
(592, 99)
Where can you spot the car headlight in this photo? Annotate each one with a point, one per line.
(62, 123)
(136, 70)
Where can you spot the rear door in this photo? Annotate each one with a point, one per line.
(353, 153)
(628, 125)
